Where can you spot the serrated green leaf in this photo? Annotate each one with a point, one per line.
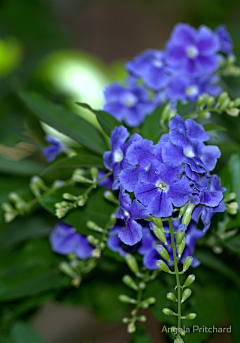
(151, 128)
(106, 120)
(83, 159)
(65, 121)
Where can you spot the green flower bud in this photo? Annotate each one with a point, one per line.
(142, 319)
(180, 233)
(233, 112)
(171, 296)
(81, 178)
(150, 300)
(6, 207)
(224, 104)
(125, 320)
(65, 268)
(162, 251)
(230, 197)
(128, 280)
(68, 196)
(110, 197)
(142, 285)
(132, 263)
(159, 233)
(61, 212)
(186, 294)
(236, 102)
(144, 305)
(126, 299)
(178, 340)
(191, 316)
(181, 247)
(165, 112)
(158, 222)
(92, 240)
(182, 332)
(82, 200)
(168, 312)
(187, 215)
(222, 97)
(93, 226)
(232, 208)
(94, 173)
(183, 209)
(204, 114)
(113, 219)
(96, 253)
(162, 265)
(131, 327)
(102, 245)
(201, 101)
(190, 279)
(19, 203)
(210, 101)
(187, 263)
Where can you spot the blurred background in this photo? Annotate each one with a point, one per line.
(70, 50)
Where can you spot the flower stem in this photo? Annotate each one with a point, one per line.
(177, 275)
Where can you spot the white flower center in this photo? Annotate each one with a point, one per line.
(118, 155)
(130, 100)
(157, 63)
(126, 213)
(192, 91)
(192, 51)
(162, 186)
(188, 152)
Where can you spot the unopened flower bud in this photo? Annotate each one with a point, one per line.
(65, 268)
(190, 279)
(224, 104)
(96, 253)
(230, 197)
(187, 263)
(93, 226)
(110, 197)
(183, 209)
(158, 222)
(7, 207)
(125, 320)
(126, 299)
(150, 300)
(236, 102)
(163, 252)
(171, 296)
(181, 247)
(82, 200)
(158, 233)
(131, 327)
(180, 233)
(233, 112)
(81, 178)
(68, 196)
(168, 312)
(162, 265)
(142, 319)
(204, 114)
(187, 215)
(142, 285)
(182, 332)
(94, 173)
(92, 240)
(61, 212)
(186, 294)
(191, 316)
(102, 245)
(178, 339)
(132, 263)
(222, 97)
(232, 208)
(210, 101)
(128, 280)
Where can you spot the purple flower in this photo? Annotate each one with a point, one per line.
(139, 156)
(114, 160)
(107, 182)
(161, 187)
(54, 149)
(65, 240)
(185, 88)
(115, 244)
(130, 104)
(150, 66)
(225, 40)
(129, 211)
(193, 52)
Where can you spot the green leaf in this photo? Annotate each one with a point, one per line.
(211, 261)
(97, 207)
(230, 176)
(24, 228)
(29, 271)
(233, 243)
(212, 127)
(233, 298)
(22, 167)
(65, 121)
(185, 108)
(84, 159)
(23, 332)
(106, 120)
(141, 336)
(151, 128)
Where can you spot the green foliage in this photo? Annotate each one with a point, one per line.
(151, 127)
(65, 121)
(22, 332)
